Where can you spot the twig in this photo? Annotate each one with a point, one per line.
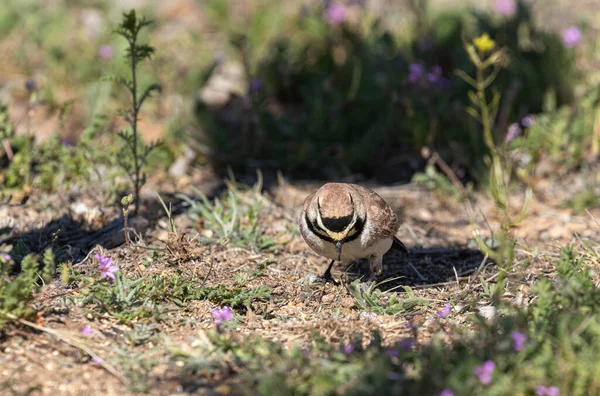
(74, 343)
(417, 272)
(435, 158)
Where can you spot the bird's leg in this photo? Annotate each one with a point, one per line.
(327, 275)
(375, 268)
(376, 265)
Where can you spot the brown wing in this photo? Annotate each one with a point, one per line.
(306, 205)
(379, 212)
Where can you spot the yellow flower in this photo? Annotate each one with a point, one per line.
(484, 43)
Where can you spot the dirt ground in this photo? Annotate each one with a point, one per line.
(443, 264)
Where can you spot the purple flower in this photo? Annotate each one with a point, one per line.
(434, 75)
(335, 13)
(406, 344)
(506, 7)
(256, 85)
(446, 392)
(106, 52)
(222, 315)
(484, 372)
(543, 390)
(105, 263)
(445, 311)
(415, 72)
(528, 121)
(96, 361)
(513, 131)
(571, 36)
(109, 272)
(519, 340)
(348, 349)
(30, 85)
(87, 331)
(393, 353)
(6, 257)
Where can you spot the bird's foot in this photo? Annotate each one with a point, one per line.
(326, 277)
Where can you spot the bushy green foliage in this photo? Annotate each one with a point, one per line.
(16, 290)
(330, 100)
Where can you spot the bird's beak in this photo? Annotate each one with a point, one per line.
(338, 248)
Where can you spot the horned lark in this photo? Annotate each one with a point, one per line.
(343, 221)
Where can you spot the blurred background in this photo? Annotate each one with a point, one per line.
(340, 90)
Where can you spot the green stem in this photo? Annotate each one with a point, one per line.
(485, 113)
(136, 164)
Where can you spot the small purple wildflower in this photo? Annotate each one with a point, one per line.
(87, 331)
(484, 372)
(506, 7)
(105, 263)
(543, 390)
(393, 353)
(513, 131)
(519, 340)
(445, 311)
(109, 272)
(435, 74)
(6, 257)
(528, 121)
(415, 72)
(256, 85)
(30, 85)
(406, 344)
(348, 349)
(447, 392)
(335, 13)
(571, 36)
(96, 361)
(106, 52)
(222, 315)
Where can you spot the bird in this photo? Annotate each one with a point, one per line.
(345, 221)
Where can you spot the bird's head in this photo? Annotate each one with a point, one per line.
(336, 213)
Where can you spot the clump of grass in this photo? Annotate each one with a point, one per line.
(134, 155)
(233, 218)
(383, 303)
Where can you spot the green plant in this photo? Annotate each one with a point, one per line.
(488, 64)
(134, 155)
(233, 218)
(17, 291)
(383, 303)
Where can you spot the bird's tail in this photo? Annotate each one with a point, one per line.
(398, 245)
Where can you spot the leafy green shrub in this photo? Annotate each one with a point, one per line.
(329, 100)
(16, 291)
